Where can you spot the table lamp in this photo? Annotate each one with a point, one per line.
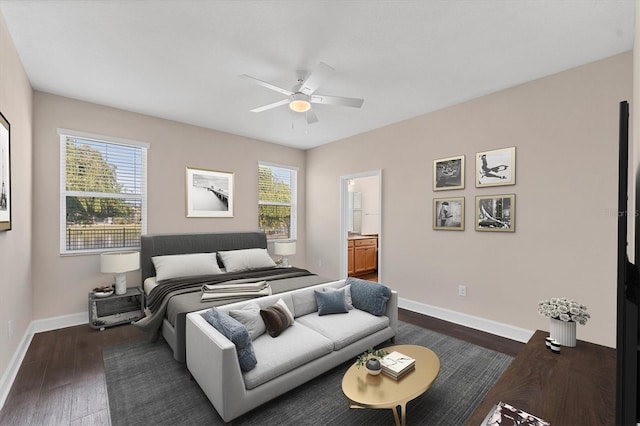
(120, 263)
(284, 249)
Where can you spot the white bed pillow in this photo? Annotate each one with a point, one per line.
(185, 265)
(243, 260)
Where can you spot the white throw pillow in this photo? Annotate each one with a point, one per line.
(249, 316)
(244, 260)
(185, 265)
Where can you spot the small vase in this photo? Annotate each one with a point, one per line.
(373, 366)
(564, 332)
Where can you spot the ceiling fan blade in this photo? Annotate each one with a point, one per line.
(311, 117)
(318, 76)
(271, 106)
(267, 85)
(336, 100)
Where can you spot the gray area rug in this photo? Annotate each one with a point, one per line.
(147, 387)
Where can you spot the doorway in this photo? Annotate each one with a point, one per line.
(361, 225)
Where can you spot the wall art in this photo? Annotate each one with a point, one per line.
(5, 174)
(495, 168)
(496, 213)
(448, 173)
(209, 193)
(448, 214)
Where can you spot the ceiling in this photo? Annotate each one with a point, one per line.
(181, 59)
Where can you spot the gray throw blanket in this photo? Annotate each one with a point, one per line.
(166, 289)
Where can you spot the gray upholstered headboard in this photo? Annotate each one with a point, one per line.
(164, 244)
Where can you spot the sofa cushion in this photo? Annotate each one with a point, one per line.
(298, 346)
(237, 333)
(249, 316)
(344, 331)
(276, 318)
(369, 296)
(331, 302)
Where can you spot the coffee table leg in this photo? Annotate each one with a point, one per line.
(395, 415)
(403, 407)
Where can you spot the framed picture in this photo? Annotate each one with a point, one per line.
(448, 173)
(495, 168)
(448, 214)
(496, 213)
(209, 193)
(5, 174)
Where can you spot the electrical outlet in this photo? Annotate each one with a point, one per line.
(462, 290)
(10, 328)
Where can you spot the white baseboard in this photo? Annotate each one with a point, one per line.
(482, 324)
(56, 323)
(36, 326)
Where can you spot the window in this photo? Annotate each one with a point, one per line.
(103, 192)
(277, 201)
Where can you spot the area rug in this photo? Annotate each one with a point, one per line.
(146, 386)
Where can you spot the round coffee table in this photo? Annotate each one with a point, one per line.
(366, 391)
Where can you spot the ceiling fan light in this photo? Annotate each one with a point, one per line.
(299, 103)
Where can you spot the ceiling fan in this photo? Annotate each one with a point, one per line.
(303, 94)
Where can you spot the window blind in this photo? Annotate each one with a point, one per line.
(102, 193)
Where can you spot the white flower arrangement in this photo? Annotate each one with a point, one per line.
(563, 309)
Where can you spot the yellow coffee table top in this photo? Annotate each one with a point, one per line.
(366, 391)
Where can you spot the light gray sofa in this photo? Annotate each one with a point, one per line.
(311, 346)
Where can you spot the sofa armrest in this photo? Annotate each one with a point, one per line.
(392, 311)
(213, 363)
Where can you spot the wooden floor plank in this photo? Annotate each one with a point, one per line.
(53, 407)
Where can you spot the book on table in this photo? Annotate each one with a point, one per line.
(396, 364)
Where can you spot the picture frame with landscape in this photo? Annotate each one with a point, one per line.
(496, 167)
(496, 213)
(448, 214)
(448, 173)
(209, 193)
(5, 174)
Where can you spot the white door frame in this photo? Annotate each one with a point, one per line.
(344, 210)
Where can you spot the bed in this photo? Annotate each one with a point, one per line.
(168, 301)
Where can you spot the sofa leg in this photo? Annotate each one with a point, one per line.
(392, 340)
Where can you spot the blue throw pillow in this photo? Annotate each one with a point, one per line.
(332, 302)
(369, 296)
(237, 333)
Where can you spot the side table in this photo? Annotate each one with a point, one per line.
(115, 309)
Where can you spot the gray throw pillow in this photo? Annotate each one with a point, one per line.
(331, 302)
(347, 294)
(237, 333)
(369, 296)
(249, 316)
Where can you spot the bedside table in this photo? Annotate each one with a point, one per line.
(115, 309)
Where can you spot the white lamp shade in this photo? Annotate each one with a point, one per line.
(119, 262)
(285, 248)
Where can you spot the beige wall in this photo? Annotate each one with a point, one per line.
(61, 283)
(15, 245)
(565, 131)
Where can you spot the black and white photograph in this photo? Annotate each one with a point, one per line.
(5, 175)
(209, 193)
(448, 173)
(496, 168)
(496, 213)
(448, 214)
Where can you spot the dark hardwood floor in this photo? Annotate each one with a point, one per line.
(61, 380)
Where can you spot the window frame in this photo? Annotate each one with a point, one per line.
(293, 205)
(64, 193)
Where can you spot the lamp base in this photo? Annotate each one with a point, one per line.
(121, 283)
(285, 262)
